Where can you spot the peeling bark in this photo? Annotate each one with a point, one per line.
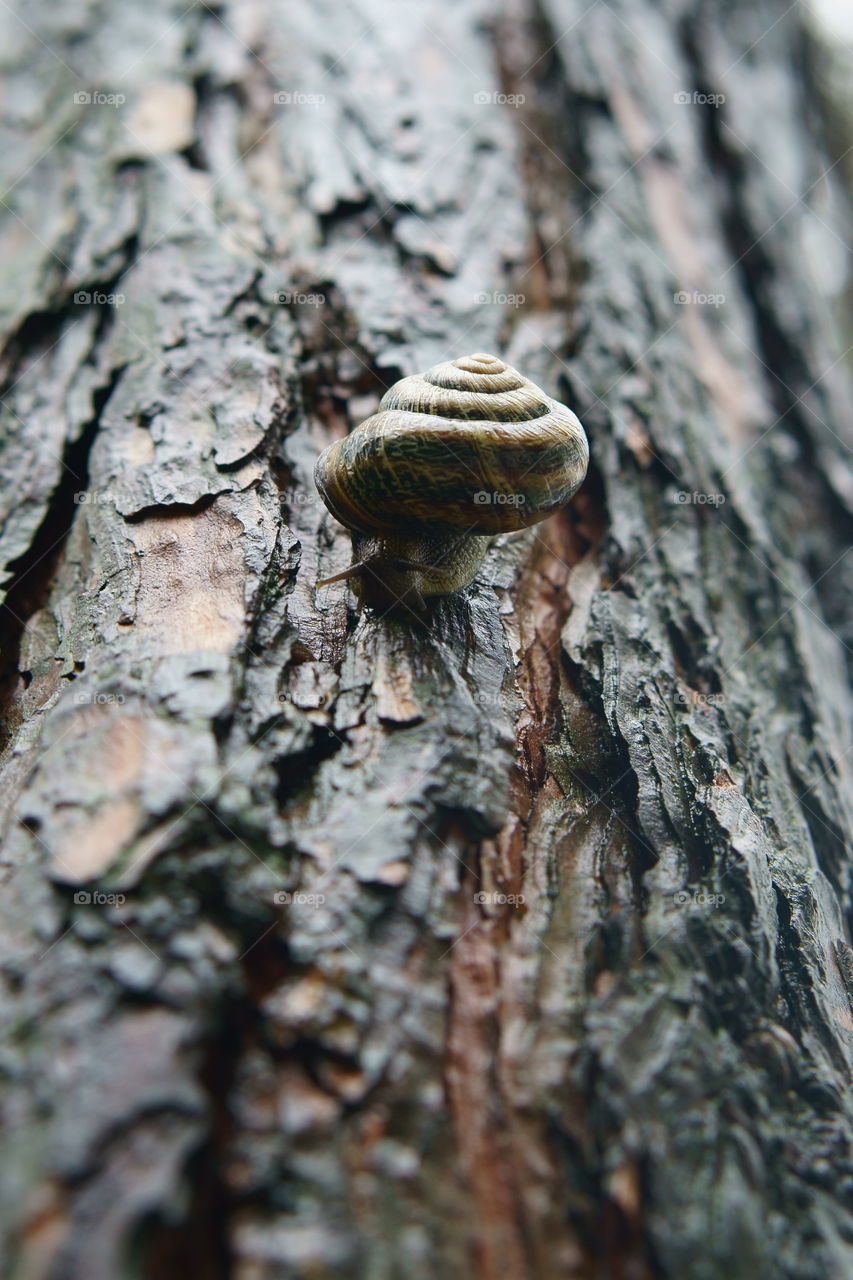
(511, 943)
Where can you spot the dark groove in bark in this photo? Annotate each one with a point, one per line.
(792, 389)
(33, 573)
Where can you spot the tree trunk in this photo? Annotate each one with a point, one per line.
(513, 943)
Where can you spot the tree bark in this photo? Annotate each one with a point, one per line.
(511, 943)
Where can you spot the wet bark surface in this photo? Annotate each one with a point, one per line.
(510, 943)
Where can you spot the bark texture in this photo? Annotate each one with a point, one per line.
(511, 944)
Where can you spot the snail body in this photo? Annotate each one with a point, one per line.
(452, 457)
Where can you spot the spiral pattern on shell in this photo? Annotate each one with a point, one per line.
(471, 445)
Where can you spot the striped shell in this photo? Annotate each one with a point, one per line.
(471, 445)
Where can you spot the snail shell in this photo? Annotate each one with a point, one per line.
(453, 456)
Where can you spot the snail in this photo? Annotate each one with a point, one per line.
(452, 457)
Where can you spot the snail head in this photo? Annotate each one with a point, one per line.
(404, 570)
